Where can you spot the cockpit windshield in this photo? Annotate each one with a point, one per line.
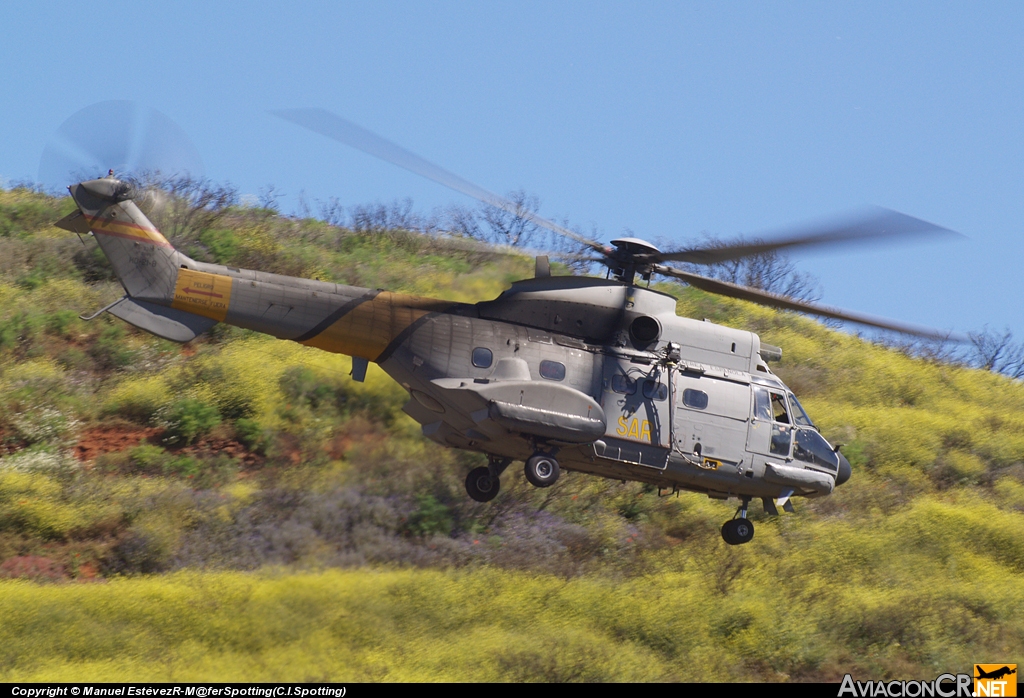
(799, 415)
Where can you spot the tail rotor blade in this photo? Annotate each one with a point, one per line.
(118, 135)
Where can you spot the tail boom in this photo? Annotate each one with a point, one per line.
(176, 297)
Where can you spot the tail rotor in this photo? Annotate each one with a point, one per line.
(136, 143)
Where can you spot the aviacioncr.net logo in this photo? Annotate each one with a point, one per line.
(944, 686)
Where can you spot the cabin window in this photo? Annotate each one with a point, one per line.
(482, 357)
(653, 390)
(695, 399)
(623, 384)
(552, 370)
(812, 448)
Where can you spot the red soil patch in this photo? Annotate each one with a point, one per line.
(9, 444)
(111, 439)
(357, 433)
(32, 567)
(229, 447)
(87, 571)
(116, 438)
(343, 443)
(290, 448)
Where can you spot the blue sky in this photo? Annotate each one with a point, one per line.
(668, 119)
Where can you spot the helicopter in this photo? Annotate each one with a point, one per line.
(576, 373)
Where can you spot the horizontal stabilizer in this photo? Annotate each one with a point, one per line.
(168, 323)
(74, 222)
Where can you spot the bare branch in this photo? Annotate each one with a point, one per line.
(268, 197)
(463, 222)
(182, 206)
(997, 352)
(332, 212)
(380, 218)
(513, 228)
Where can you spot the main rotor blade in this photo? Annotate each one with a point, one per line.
(344, 131)
(724, 288)
(874, 223)
(471, 245)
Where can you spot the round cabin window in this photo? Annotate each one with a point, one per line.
(482, 357)
(552, 370)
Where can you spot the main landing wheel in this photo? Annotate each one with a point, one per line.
(481, 485)
(542, 471)
(738, 531)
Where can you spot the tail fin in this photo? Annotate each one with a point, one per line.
(143, 260)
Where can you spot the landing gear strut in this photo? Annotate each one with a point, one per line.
(542, 470)
(483, 484)
(739, 529)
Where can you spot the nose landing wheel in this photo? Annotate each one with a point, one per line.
(542, 470)
(481, 485)
(739, 530)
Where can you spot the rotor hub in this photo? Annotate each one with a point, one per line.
(627, 260)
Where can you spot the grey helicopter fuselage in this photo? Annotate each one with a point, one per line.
(593, 375)
(670, 401)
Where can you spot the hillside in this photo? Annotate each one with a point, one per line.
(238, 508)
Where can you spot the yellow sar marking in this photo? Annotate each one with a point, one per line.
(126, 229)
(203, 294)
(370, 327)
(635, 429)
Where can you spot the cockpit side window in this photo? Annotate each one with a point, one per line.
(779, 410)
(762, 405)
(782, 439)
(770, 406)
(799, 414)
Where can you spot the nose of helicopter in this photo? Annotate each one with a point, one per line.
(845, 471)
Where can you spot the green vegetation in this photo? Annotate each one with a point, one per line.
(188, 419)
(239, 509)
